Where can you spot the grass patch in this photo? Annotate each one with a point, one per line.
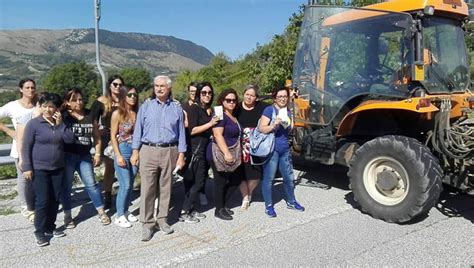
(4, 211)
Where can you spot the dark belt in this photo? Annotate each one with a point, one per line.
(163, 145)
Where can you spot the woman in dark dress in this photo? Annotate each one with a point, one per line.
(248, 114)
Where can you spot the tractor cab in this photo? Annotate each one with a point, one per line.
(344, 54)
(378, 55)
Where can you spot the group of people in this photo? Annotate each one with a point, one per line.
(56, 137)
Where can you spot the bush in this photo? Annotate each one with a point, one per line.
(7, 172)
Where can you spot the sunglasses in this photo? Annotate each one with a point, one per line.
(206, 93)
(116, 84)
(230, 100)
(131, 95)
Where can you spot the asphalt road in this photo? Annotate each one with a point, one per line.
(331, 232)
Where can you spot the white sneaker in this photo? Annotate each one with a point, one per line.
(130, 217)
(122, 222)
(203, 199)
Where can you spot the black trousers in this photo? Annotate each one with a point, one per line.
(225, 184)
(194, 179)
(47, 185)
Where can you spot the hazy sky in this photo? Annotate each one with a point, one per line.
(231, 26)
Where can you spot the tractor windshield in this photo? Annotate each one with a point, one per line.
(445, 56)
(344, 54)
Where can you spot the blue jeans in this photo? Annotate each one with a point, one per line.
(284, 163)
(47, 184)
(83, 165)
(125, 176)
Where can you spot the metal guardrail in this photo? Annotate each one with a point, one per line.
(5, 158)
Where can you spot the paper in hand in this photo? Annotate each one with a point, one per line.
(285, 119)
(219, 112)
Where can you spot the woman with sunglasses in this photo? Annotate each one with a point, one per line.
(78, 157)
(200, 123)
(226, 134)
(248, 113)
(102, 110)
(277, 118)
(192, 89)
(121, 132)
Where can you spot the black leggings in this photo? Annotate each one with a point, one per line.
(225, 184)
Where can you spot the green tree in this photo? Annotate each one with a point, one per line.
(268, 65)
(138, 78)
(8, 96)
(75, 74)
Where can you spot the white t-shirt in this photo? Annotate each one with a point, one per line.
(14, 110)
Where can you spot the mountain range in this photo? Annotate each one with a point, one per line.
(32, 53)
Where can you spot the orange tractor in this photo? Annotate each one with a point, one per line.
(385, 91)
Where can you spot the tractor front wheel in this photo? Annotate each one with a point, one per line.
(395, 178)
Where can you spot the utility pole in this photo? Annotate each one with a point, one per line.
(97, 53)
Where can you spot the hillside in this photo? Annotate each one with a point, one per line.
(32, 53)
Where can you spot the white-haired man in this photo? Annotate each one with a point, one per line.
(159, 145)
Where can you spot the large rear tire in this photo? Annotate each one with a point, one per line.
(395, 178)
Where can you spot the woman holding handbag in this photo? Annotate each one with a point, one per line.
(225, 154)
(281, 156)
(200, 123)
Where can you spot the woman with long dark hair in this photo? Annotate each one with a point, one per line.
(77, 155)
(102, 110)
(121, 134)
(200, 123)
(15, 110)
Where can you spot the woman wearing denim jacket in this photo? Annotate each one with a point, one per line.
(281, 156)
(121, 131)
(78, 157)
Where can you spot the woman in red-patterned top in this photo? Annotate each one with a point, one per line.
(248, 113)
(121, 132)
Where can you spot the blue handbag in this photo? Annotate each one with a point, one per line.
(262, 145)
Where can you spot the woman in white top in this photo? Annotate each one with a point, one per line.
(15, 110)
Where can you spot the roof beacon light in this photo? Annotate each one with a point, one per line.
(429, 10)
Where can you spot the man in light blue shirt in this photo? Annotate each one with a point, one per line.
(159, 144)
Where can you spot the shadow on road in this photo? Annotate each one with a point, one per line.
(453, 203)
